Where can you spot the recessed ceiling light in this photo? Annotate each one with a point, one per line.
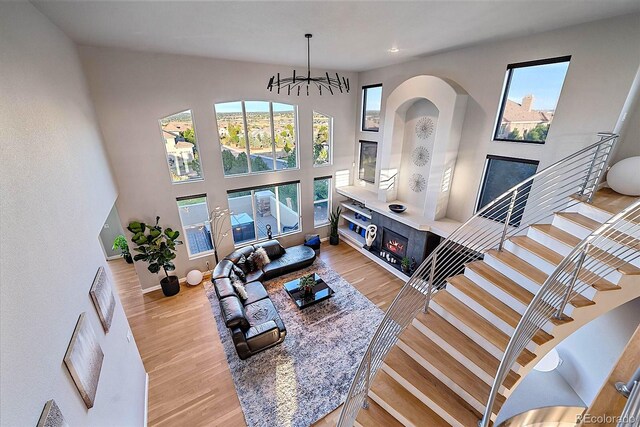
(394, 50)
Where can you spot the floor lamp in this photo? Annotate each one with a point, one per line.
(216, 219)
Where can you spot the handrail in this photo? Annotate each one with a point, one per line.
(532, 201)
(595, 257)
(630, 416)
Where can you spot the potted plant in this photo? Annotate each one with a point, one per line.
(306, 284)
(334, 218)
(157, 247)
(406, 265)
(120, 244)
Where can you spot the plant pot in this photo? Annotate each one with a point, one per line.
(406, 270)
(128, 258)
(334, 240)
(170, 285)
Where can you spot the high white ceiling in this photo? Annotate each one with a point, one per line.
(348, 35)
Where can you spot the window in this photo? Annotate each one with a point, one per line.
(321, 200)
(194, 215)
(322, 139)
(501, 174)
(531, 93)
(255, 211)
(368, 155)
(257, 136)
(180, 144)
(371, 100)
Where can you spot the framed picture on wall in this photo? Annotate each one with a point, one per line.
(51, 416)
(84, 360)
(368, 156)
(103, 299)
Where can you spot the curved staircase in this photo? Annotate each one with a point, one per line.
(441, 370)
(498, 295)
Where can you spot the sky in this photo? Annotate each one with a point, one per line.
(251, 107)
(543, 81)
(374, 97)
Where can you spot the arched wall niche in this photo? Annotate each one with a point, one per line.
(450, 101)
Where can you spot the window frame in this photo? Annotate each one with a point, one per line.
(483, 180)
(329, 200)
(364, 107)
(166, 154)
(507, 86)
(247, 150)
(361, 142)
(276, 233)
(330, 157)
(184, 231)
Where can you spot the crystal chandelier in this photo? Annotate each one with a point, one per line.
(296, 83)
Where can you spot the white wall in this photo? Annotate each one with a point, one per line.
(132, 90)
(590, 353)
(56, 193)
(605, 58)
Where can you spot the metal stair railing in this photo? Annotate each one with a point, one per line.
(613, 244)
(532, 201)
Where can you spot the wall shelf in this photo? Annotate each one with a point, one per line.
(352, 218)
(351, 235)
(357, 209)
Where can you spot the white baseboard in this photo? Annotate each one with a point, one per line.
(151, 289)
(146, 399)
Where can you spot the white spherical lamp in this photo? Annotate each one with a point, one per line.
(194, 277)
(624, 176)
(549, 362)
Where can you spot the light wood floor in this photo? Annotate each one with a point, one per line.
(189, 379)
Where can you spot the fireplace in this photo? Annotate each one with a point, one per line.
(394, 243)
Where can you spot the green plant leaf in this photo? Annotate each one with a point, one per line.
(140, 257)
(154, 267)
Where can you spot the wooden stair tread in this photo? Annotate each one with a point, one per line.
(463, 344)
(375, 415)
(494, 305)
(602, 256)
(402, 401)
(555, 258)
(479, 324)
(509, 286)
(534, 274)
(424, 381)
(609, 201)
(590, 224)
(449, 366)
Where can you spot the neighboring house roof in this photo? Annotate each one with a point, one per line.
(514, 112)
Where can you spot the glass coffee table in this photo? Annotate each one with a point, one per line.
(321, 291)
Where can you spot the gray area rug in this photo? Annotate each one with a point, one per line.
(307, 376)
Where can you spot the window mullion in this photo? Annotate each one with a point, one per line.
(246, 136)
(278, 210)
(255, 215)
(273, 137)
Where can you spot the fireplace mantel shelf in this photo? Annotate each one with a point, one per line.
(411, 217)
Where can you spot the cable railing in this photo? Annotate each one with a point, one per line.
(612, 245)
(535, 200)
(630, 416)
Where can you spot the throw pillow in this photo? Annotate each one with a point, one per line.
(244, 266)
(242, 292)
(262, 258)
(251, 262)
(239, 273)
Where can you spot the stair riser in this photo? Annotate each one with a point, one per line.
(476, 337)
(613, 276)
(543, 265)
(397, 415)
(519, 278)
(477, 405)
(442, 343)
(478, 308)
(593, 213)
(496, 291)
(422, 397)
(583, 232)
